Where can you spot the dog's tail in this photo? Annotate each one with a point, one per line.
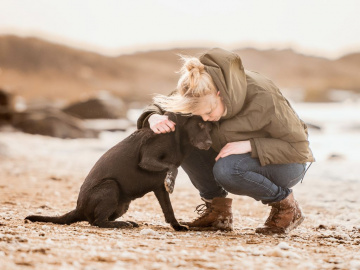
(71, 217)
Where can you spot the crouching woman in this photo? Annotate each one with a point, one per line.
(260, 145)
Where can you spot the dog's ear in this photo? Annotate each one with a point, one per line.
(172, 116)
(178, 118)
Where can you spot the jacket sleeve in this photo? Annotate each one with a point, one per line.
(285, 144)
(148, 111)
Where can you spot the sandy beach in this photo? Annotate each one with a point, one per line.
(84, 70)
(43, 175)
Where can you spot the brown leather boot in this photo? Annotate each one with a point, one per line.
(214, 215)
(285, 215)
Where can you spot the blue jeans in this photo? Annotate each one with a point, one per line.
(241, 175)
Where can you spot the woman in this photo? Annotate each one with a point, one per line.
(260, 146)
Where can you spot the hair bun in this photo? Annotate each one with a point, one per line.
(191, 64)
(194, 80)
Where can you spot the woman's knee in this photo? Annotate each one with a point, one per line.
(230, 172)
(221, 170)
(233, 164)
(224, 171)
(226, 176)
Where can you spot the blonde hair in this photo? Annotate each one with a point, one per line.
(194, 84)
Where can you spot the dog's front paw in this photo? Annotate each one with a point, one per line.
(179, 227)
(134, 224)
(169, 183)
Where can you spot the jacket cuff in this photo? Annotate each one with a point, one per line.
(143, 120)
(146, 120)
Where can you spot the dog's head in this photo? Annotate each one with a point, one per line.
(197, 129)
(199, 132)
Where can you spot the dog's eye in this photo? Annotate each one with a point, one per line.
(201, 125)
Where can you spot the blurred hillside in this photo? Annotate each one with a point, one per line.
(37, 69)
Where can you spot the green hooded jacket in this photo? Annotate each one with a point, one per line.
(256, 111)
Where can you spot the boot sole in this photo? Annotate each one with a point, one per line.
(209, 229)
(275, 230)
(205, 228)
(294, 225)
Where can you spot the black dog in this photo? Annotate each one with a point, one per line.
(135, 166)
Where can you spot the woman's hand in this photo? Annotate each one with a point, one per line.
(234, 148)
(161, 124)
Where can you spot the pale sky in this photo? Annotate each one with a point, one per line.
(322, 27)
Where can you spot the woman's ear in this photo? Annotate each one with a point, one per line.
(218, 93)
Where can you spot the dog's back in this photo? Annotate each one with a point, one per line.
(121, 163)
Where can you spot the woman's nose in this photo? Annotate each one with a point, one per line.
(205, 117)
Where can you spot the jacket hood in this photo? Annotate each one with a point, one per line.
(227, 72)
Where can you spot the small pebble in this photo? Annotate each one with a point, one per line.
(292, 255)
(128, 256)
(49, 241)
(148, 232)
(284, 245)
(275, 252)
(239, 248)
(169, 234)
(45, 227)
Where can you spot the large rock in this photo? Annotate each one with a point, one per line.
(52, 122)
(6, 108)
(106, 107)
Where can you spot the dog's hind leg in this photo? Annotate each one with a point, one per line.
(164, 199)
(108, 206)
(122, 208)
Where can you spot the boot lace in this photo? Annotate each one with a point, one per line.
(273, 216)
(201, 209)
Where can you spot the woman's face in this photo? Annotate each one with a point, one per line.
(212, 108)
